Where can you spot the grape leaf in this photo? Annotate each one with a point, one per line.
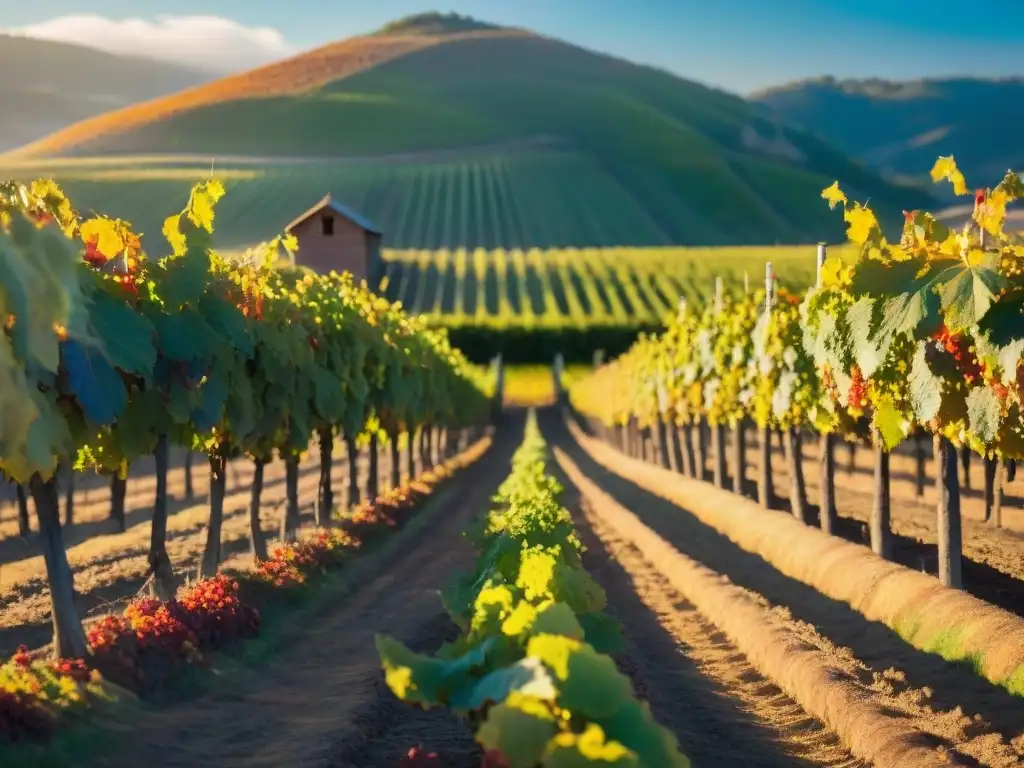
(519, 729)
(925, 386)
(592, 685)
(136, 428)
(889, 423)
(48, 438)
(633, 726)
(91, 378)
(557, 619)
(528, 677)
(184, 336)
(127, 335)
(984, 412)
(969, 291)
(584, 750)
(228, 322)
(212, 397)
(420, 679)
(945, 168)
(868, 351)
(185, 278)
(602, 632)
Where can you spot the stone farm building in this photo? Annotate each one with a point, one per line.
(333, 236)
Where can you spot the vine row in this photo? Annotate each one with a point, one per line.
(920, 336)
(530, 671)
(108, 355)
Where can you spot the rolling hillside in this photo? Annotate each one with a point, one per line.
(901, 127)
(449, 132)
(69, 83)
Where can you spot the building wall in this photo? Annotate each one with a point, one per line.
(344, 251)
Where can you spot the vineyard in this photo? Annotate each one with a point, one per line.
(297, 525)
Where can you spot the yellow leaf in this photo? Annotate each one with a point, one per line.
(172, 231)
(991, 214)
(832, 272)
(834, 195)
(975, 257)
(290, 243)
(104, 233)
(861, 222)
(945, 168)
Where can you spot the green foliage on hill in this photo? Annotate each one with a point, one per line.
(434, 23)
(901, 127)
(683, 163)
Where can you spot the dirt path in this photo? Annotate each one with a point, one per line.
(947, 701)
(697, 683)
(323, 701)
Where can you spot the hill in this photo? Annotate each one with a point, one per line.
(901, 127)
(45, 86)
(688, 164)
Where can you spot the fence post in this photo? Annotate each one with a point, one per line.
(499, 388)
(765, 487)
(827, 515)
(556, 373)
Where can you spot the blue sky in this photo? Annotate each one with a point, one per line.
(736, 44)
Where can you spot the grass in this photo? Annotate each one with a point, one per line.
(584, 150)
(534, 385)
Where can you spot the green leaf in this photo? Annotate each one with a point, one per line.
(519, 729)
(212, 396)
(984, 413)
(879, 280)
(127, 335)
(557, 619)
(588, 749)
(420, 679)
(633, 726)
(889, 423)
(925, 386)
(868, 351)
(592, 685)
(185, 278)
(137, 427)
(527, 676)
(228, 322)
(968, 292)
(1002, 325)
(184, 336)
(602, 632)
(97, 387)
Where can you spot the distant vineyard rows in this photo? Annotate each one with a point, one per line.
(575, 287)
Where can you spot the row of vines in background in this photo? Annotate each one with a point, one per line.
(920, 336)
(108, 356)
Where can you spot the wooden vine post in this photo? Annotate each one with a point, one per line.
(499, 390)
(881, 530)
(765, 489)
(949, 523)
(718, 428)
(827, 515)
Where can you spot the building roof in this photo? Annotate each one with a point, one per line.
(342, 210)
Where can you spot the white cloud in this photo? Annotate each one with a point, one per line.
(209, 42)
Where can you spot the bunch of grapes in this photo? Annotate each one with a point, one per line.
(962, 351)
(857, 394)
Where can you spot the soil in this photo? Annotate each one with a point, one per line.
(110, 567)
(951, 701)
(323, 701)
